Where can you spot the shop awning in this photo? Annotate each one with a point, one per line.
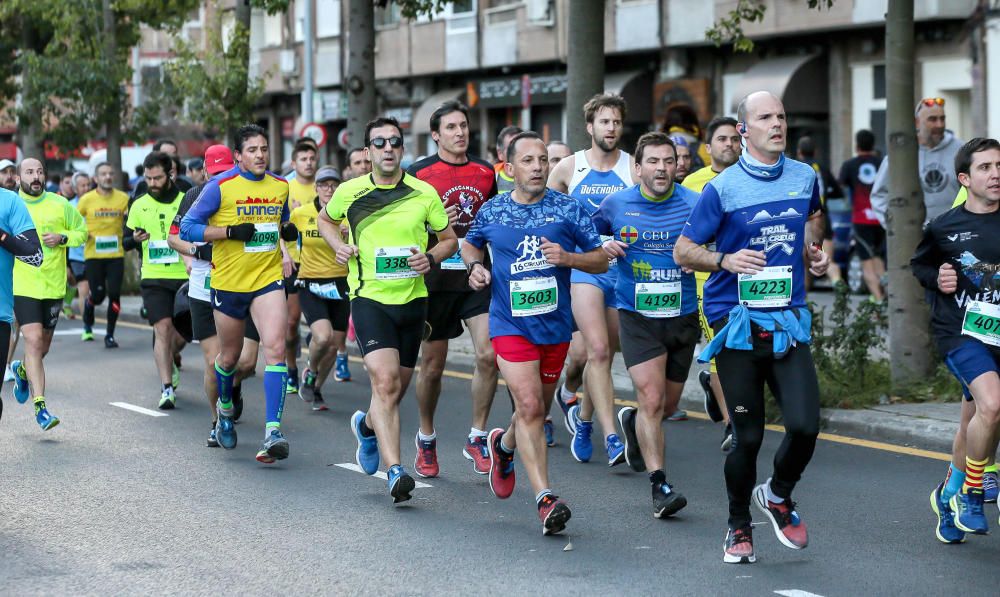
(421, 124)
(800, 82)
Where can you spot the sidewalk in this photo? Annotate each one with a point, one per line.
(930, 426)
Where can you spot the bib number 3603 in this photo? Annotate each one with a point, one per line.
(535, 296)
(982, 322)
(769, 288)
(391, 263)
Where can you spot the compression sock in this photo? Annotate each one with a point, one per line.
(953, 482)
(274, 393)
(88, 316)
(973, 474)
(114, 307)
(224, 381)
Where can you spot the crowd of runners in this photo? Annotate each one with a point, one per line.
(554, 261)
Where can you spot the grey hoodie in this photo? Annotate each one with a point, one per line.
(937, 179)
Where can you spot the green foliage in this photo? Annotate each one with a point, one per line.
(729, 28)
(411, 9)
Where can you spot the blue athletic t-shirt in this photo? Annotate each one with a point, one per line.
(530, 297)
(650, 228)
(14, 219)
(759, 207)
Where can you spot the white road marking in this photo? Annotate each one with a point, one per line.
(138, 409)
(797, 593)
(381, 475)
(74, 332)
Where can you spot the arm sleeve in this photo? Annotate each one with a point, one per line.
(190, 197)
(195, 221)
(880, 192)
(705, 218)
(76, 227)
(926, 260)
(24, 247)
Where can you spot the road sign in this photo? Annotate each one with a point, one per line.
(314, 131)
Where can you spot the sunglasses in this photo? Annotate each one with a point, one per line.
(394, 141)
(929, 102)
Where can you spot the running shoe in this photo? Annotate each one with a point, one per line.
(582, 447)
(367, 452)
(86, 336)
(20, 382)
(400, 484)
(738, 548)
(945, 530)
(308, 386)
(616, 450)
(727, 438)
(167, 399)
(565, 405)
(711, 405)
(678, 415)
(426, 461)
(110, 342)
(291, 385)
(212, 441)
(554, 513)
(318, 403)
(501, 466)
(275, 447)
(633, 455)
(68, 312)
(175, 375)
(968, 511)
(990, 487)
(788, 527)
(225, 430)
(550, 432)
(476, 451)
(666, 501)
(45, 420)
(340, 370)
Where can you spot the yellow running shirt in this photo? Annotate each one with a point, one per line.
(159, 261)
(105, 217)
(51, 214)
(317, 259)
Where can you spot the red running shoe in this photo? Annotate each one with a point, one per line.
(501, 466)
(738, 548)
(553, 512)
(785, 521)
(426, 461)
(476, 451)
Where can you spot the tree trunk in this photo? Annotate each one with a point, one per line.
(242, 18)
(909, 341)
(584, 66)
(29, 124)
(114, 118)
(360, 70)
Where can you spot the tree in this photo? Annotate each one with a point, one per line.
(584, 66)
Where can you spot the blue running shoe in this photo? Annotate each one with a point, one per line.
(968, 509)
(616, 450)
(945, 530)
(340, 369)
(20, 382)
(582, 448)
(275, 447)
(45, 420)
(566, 405)
(550, 432)
(990, 487)
(225, 431)
(400, 484)
(367, 452)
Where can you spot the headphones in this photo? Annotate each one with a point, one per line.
(741, 127)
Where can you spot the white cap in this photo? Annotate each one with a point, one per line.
(4, 164)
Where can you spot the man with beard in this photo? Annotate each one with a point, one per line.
(38, 292)
(8, 175)
(163, 272)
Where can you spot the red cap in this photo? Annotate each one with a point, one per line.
(218, 158)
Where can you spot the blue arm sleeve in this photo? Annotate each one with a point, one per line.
(196, 219)
(703, 223)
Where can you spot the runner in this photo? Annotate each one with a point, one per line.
(8, 175)
(953, 261)
(589, 176)
(243, 212)
(77, 285)
(38, 291)
(656, 302)
(388, 214)
(858, 175)
(724, 149)
(301, 191)
(163, 272)
(755, 301)
(104, 209)
(18, 240)
(198, 259)
(360, 163)
(323, 293)
(504, 182)
(464, 184)
(558, 151)
(533, 234)
(684, 157)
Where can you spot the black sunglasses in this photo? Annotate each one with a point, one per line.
(395, 142)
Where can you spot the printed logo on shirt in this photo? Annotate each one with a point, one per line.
(774, 237)
(642, 271)
(628, 234)
(962, 236)
(531, 256)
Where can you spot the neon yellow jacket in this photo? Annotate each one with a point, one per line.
(51, 214)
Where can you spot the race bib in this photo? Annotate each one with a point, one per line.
(605, 238)
(105, 244)
(982, 322)
(158, 251)
(265, 239)
(769, 288)
(535, 296)
(659, 299)
(455, 261)
(391, 264)
(328, 291)
(208, 282)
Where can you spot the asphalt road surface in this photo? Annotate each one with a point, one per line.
(117, 501)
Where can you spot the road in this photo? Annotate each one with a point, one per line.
(116, 501)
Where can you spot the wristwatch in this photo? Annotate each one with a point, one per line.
(63, 239)
(468, 267)
(193, 250)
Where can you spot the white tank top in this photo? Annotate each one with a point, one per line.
(590, 186)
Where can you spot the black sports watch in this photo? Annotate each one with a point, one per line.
(468, 267)
(63, 239)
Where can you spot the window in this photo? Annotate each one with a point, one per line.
(327, 18)
(388, 16)
(878, 81)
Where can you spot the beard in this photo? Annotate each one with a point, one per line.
(605, 146)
